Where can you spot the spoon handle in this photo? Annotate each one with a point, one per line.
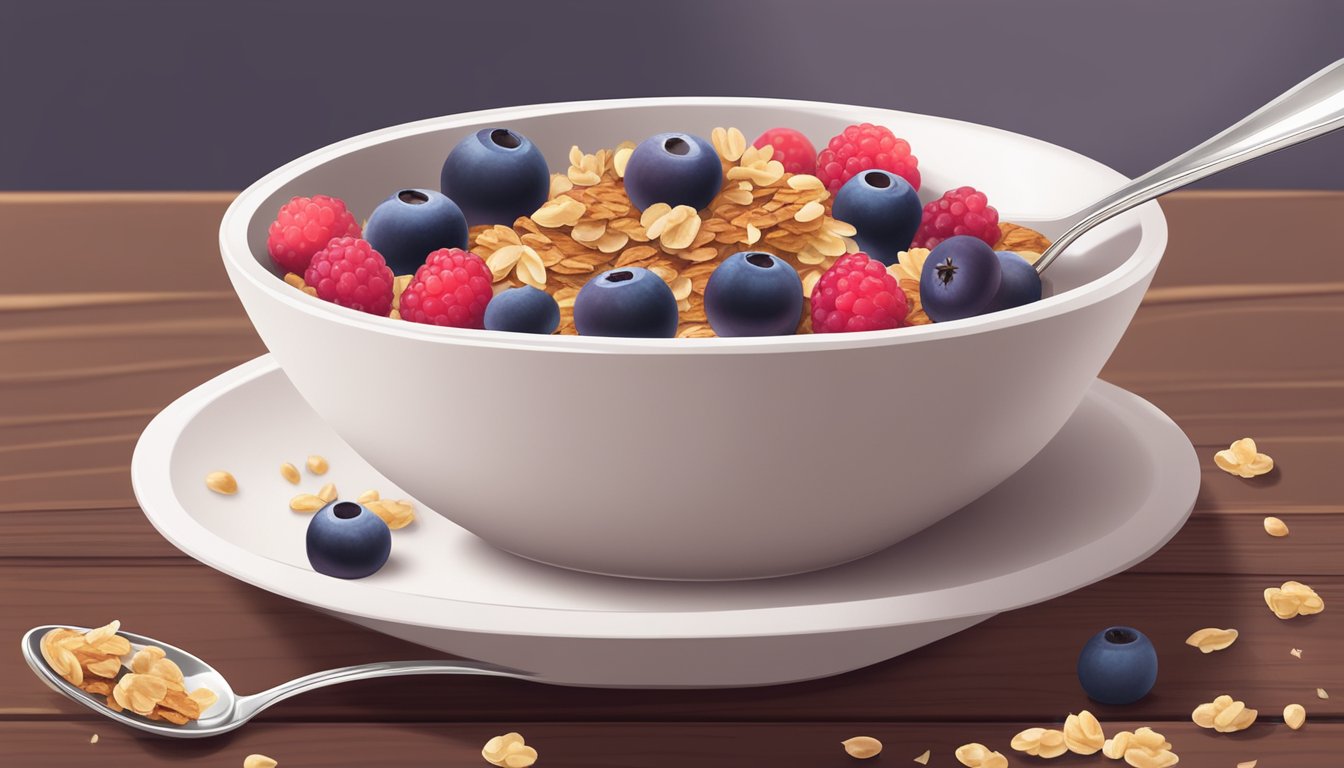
(249, 706)
(1311, 108)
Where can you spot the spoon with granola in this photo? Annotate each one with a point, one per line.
(155, 687)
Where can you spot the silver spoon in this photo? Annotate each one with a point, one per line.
(1309, 109)
(233, 710)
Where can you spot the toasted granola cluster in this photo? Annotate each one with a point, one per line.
(589, 225)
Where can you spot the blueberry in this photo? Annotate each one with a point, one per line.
(885, 210)
(1118, 666)
(413, 223)
(629, 301)
(673, 168)
(522, 310)
(961, 277)
(496, 175)
(348, 541)
(754, 294)
(1020, 284)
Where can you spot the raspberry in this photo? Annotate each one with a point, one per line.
(961, 211)
(863, 147)
(792, 149)
(304, 226)
(857, 294)
(350, 273)
(452, 288)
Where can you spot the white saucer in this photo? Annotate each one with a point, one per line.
(1116, 483)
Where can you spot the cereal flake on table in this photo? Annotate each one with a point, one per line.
(862, 747)
(1293, 599)
(1212, 639)
(509, 751)
(1243, 459)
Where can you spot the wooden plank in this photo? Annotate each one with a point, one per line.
(1212, 542)
(1019, 665)
(613, 745)
(154, 240)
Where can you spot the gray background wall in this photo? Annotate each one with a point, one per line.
(178, 94)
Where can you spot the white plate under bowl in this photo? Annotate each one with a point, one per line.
(1112, 487)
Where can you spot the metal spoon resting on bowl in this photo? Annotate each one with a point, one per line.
(1311, 108)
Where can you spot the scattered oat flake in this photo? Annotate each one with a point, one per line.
(1243, 459)
(222, 483)
(1293, 599)
(1247, 764)
(317, 465)
(93, 739)
(1276, 527)
(1296, 652)
(290, 473)
(862, 747)
(1321, 694)
(1294, 716)
(259, 761)
(924, 758)
(327, 492)
(1212, 639)
(306, 502)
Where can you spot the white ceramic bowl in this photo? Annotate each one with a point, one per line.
(701, 458)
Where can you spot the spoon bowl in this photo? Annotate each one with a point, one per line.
(219, 718)
(232, 710)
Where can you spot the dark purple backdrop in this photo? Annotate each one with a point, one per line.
(181, 94)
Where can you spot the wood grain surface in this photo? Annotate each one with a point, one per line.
(120, 305)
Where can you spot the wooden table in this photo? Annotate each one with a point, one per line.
(112, 305)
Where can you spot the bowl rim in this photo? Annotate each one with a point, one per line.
(241, 264)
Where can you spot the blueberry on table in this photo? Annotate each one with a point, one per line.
(523, 310)
(754, 294)
(673, 168)
(628, 301)
(496, 175)
(885, 210)
(961, 277)
(1020, 285)
(348, 541)
(411, 224)
(1118, 666)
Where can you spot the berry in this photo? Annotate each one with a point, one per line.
(523, 310)
(885, 210)
(792, 148)
(960, 278)
(412, 222)
(961, 211)
(351, 273)
(496, 175)
(1118, 666)
(629, 301)
(862, 147)
(673, 168)
(304, 226)
(1020, 284)
(348, 541)
(754, 294)
(452, 288)
(857, 294)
